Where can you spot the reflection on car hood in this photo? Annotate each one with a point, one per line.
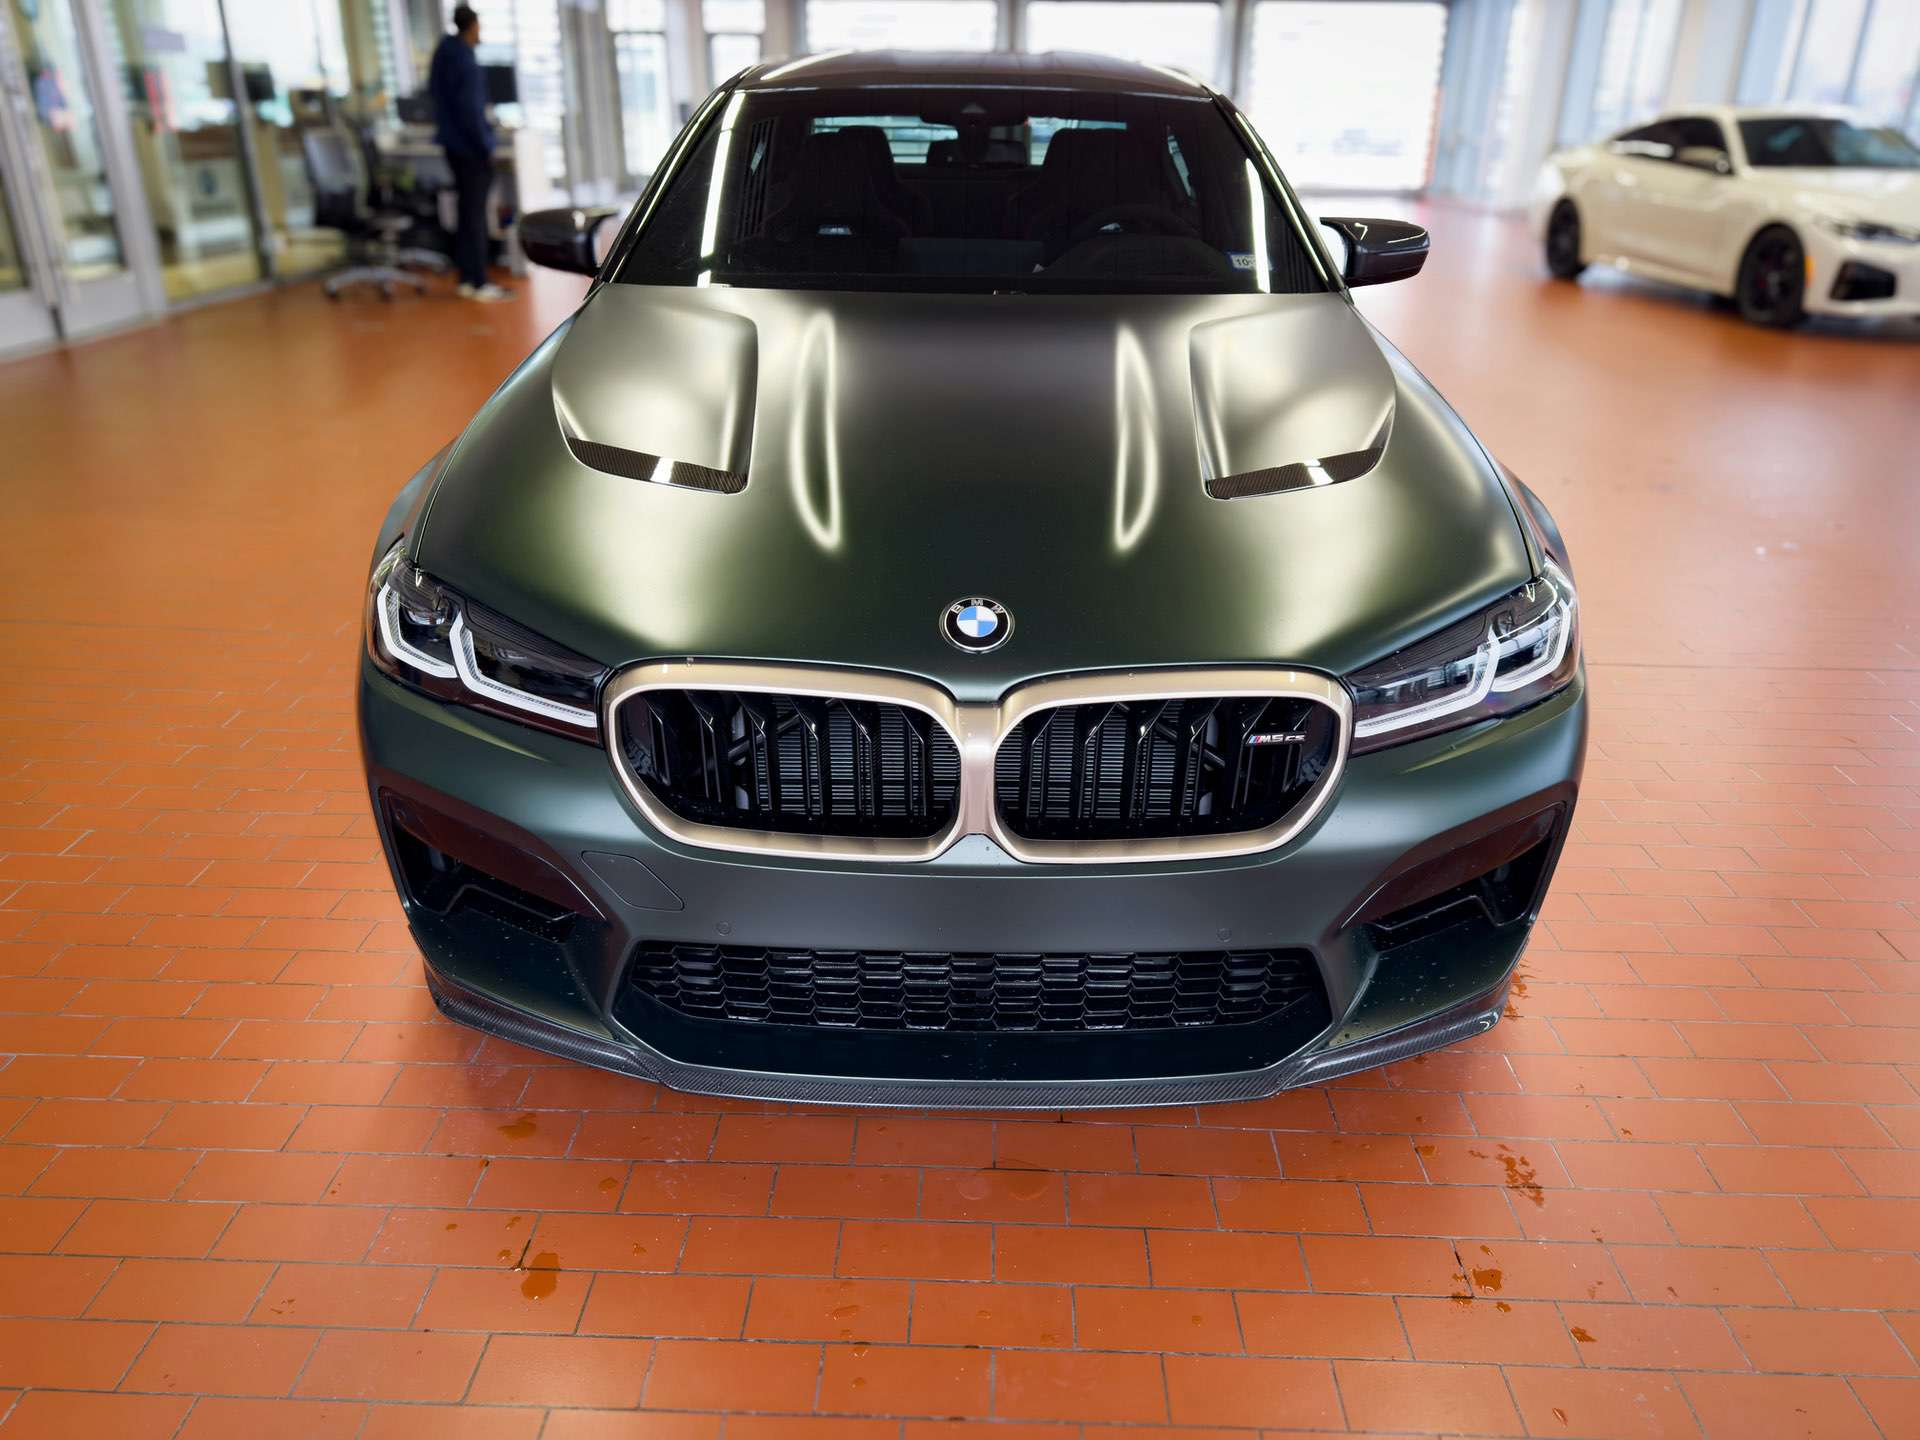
(1889, 196)
(903, 451)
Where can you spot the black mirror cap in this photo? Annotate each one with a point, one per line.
(1380, 250)
(564, 239)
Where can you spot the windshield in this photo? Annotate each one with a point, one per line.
(971, 188)
(1814, 142)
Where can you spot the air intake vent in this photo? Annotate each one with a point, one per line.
(1277, 479)
(796, 764)
(863, 990)
(638, 465)
(1155, 769)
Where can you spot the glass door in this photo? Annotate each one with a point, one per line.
(62, 196)
(187, 143)
(26, 313)
(293, 71)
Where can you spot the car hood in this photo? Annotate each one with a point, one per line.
(904, 451)
(1889, 196)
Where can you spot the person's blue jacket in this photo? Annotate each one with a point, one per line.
(459, 94)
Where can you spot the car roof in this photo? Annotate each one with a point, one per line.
(1055, 69)
(1763, 112)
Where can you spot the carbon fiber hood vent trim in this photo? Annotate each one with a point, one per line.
(1303, 475)
(655, 469)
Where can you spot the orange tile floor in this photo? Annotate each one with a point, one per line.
(251, 1185)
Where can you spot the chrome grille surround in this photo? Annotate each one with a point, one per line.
(978, 731)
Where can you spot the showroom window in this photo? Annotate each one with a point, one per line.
(639, 32)
(1177, 33)
(734, 30)
(1856, 52)
(1344, 92)
(1636, 63)
(1887, 84)
(901, 25)
(526, 35)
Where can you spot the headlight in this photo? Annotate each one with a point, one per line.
(423, 634)
(1509, 656)
(1868, 230)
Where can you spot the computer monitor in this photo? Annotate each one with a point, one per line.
(259, 82)
(415, 109)
(502, 88)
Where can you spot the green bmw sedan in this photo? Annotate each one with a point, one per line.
(967, 612)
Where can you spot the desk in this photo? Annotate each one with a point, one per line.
(520, 183)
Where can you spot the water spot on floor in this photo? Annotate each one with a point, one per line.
(983, 1314)
(1460, 1297)
(513, 1220)
(504, 1255)
(1197, 1319)
(638, 1248)
(1580, 1334)
(1521, 1176)
(976, 1187)
(453, 1224)
(1628, 1134)
(519, 1129)
(608, 1185)
(859, 1352)
(1027, 1185)
(1423, 1150)
(1503, 1307)
(859, 1382)
(843, 1312)
(1047, 1337)
(1488, 1278)
(1559, 1414)
(542, 1276)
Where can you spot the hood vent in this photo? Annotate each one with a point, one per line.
(638, 465)
(1302, 475)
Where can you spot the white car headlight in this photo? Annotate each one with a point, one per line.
(1511, 655)
(1871, 230)
(421, 633)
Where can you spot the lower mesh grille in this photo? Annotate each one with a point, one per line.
(867, 990)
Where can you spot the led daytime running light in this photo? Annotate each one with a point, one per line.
(388, 609)
(467, 664)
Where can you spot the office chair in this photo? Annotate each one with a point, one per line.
(342, 201)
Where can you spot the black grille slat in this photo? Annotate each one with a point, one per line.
(792, 763)
(1155, 769)
(892, 990)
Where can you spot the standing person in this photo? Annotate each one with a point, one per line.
(460, 126)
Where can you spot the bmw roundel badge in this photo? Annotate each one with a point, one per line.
(976, 624)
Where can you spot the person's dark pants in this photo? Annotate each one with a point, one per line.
(473, 180)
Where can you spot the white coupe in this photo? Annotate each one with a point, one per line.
(1785, 212)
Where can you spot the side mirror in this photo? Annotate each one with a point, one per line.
(567, 239)
(1710, 158)
(1379, 250)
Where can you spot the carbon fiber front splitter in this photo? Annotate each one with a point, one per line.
(1474, 1016)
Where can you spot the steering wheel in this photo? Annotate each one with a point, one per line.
(1134, 219)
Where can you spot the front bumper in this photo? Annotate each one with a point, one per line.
(1865, 278)
(1405, 825)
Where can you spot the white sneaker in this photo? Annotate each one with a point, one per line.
(486, 294)
(466, 290)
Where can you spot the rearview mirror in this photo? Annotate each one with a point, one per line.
(1704, 157)
(567, 239)
(1379, 250)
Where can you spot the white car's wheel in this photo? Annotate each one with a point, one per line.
(1563, 242)
(1773, 279)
